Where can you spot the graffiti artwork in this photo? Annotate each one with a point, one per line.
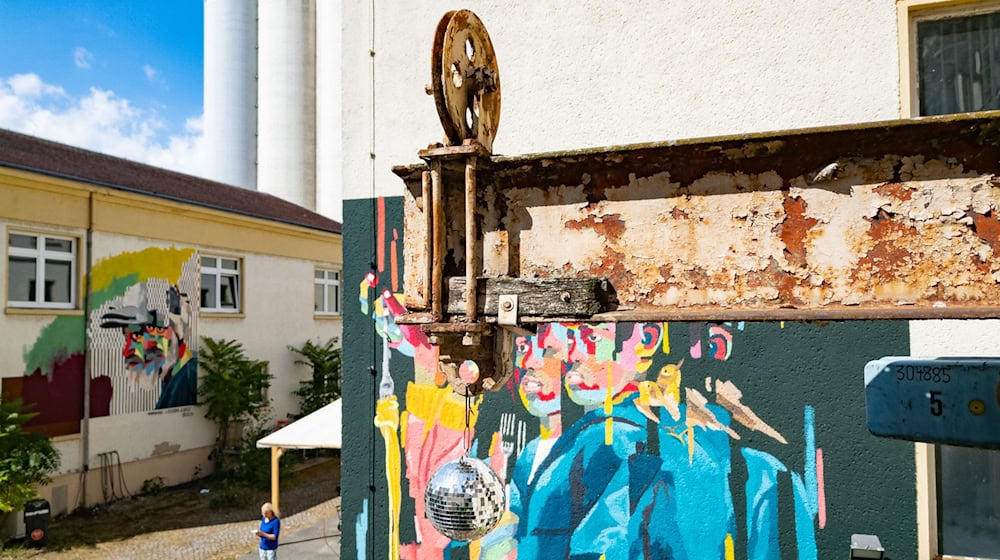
(140, 322)
(608, 448)
(156, 351)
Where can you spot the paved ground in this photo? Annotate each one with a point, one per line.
(321, 540)
(310, 534)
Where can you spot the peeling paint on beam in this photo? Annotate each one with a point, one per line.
(871, 217)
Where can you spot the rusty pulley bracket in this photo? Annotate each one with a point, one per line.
(474, 357)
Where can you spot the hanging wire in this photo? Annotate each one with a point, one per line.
(467, 434)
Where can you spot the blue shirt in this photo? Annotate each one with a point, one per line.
(272, 527)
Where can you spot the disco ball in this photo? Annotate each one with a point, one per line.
(464, 499)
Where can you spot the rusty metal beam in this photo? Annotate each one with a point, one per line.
(895, 219)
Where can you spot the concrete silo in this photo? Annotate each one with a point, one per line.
(286, 112)
(231, 91)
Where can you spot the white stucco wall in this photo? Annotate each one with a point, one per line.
(592, 73)
(278, 298)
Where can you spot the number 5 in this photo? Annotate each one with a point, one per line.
(936, 404)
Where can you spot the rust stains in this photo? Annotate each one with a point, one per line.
(987, 228)
(892, 237)
(897, 191)
(795, 229)
(609, 226)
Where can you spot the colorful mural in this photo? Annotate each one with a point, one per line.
(141, 321)
(651, 440)
(643, 471)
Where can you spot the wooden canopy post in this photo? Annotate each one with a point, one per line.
(276, 453)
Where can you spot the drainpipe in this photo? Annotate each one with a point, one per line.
(85, 423)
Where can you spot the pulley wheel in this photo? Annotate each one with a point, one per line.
(465, 79)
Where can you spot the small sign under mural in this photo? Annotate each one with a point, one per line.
(936, 400)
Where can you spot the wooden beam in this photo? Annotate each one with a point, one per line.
(545, 297)
(276, 453)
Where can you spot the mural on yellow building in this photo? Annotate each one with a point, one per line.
(141, 322)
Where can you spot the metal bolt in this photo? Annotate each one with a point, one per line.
(564, 297)
(507, 305)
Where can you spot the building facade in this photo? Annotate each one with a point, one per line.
(113, 271)
(778, 461)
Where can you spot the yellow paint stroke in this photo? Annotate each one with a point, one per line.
(666, 338)
(404, 422)
(438, 405)
(690, 438)
(608, 400)
(153, 262)
(782, 324)
(387, 421)
(730, 549)
(475, 549)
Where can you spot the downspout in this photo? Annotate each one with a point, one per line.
(85, 422)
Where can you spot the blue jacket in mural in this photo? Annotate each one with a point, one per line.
(588, 498)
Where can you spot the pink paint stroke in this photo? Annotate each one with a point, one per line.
(821, 486)
(394, 261)
(695, 337)
(380, 230)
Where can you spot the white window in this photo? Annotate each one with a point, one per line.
(220, 284)
(327, 299)
(41, 271)
(954, 57)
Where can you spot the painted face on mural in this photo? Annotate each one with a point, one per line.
(540, 361)
(597, 371)
(152, 345)
(147, 348)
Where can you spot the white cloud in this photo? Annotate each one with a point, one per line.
(82, 57)
(99, 121)
(151, 72)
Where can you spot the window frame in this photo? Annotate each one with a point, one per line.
(326, 282)
(219, 272)
(909, 13)
(41, 257)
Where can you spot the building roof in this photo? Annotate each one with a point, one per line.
(33, 154)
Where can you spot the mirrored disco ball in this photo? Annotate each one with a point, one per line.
(464, 499)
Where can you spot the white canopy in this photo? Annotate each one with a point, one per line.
(321, 429)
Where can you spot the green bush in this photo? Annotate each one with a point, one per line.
(154, 486)
(26, 458)
(323, 387)
(232, 388)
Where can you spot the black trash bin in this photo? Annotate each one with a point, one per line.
(36, 522)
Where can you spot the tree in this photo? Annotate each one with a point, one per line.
(324, 385)
(26, 458)
(232, 388)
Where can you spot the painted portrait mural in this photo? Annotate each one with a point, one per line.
(639, 467)
(654, 440)
(141, 351)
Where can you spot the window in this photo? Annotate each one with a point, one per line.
(220, 284)
(954, 58)
(969, 501)
(41, 271)
(327, 300)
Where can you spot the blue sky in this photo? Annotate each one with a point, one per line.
(117, 76)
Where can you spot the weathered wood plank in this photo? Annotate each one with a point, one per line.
(545, 297)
